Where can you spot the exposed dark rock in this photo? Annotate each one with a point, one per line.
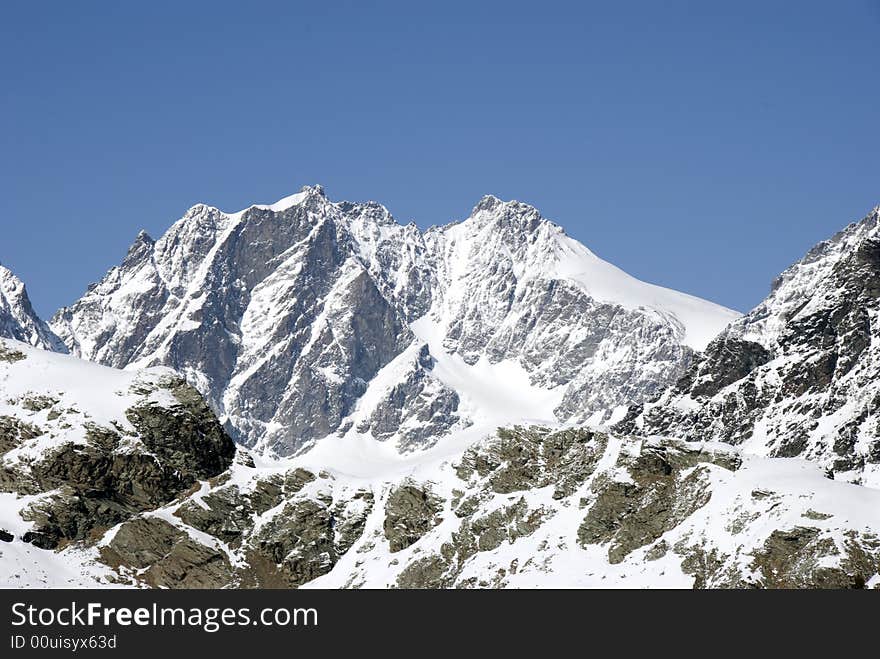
(99, 484)
(69, 516)
(298, 478)
(793, 559)
(528, 458)
(14, 431)
(299, 542)
(427, 572)
(352, 516)
(142, 542)
(629, 515)
(707, 567)
(227, 516)
(267, 494)
(36, 402)
(165, 556)
(410, 513)
(186, 437)
(483, 533)
(11, 355)
(726, 360)
(810, 386)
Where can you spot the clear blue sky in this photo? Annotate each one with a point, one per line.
(700, 145)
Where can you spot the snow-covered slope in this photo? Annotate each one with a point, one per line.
(800, 374)
(307, 318)
(526, 507)
(18, 320)
(125, 478)
(84, 447)
(512, 286)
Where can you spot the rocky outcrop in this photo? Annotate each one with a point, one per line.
(163, 556)
(797, 557)
(417, 410)
(520, 459)
(10, 354)
(798, 376)
(645, 506)
(526, 507)
(476, 534)
(663, 487)
(83, 477)
(410, 512)
(299, 542)
(100, 485)
(186, 436)
(15, 431)
(223, 513)
(279, 531)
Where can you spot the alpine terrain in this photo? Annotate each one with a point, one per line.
(799, 376)
(308, 318)
(309, 394)
(129, 480)
(17, 317)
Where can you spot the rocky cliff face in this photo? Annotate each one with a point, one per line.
(308, 318)
(18, 320)
(800, 375)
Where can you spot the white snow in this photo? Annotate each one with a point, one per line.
(18, 320)
(734, 521)
(100, 392)
(491, 394)
(702, 320)
(280, 205)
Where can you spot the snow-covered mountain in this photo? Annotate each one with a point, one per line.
(308, 317)
(18, 320)
(367, 330)
(800, 374)
(125, 478)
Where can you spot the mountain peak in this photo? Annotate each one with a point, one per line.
(18, 320)
(487, 203)
(317, 189)
(330, 293)
(512, 216)
(143, 237)
(142, 245)
(8, 278)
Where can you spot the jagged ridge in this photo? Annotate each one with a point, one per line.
(18, 320)
(307, 317)
(800, 374)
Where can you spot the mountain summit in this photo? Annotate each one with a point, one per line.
(309, 317)
(18, 320)
(327, 326)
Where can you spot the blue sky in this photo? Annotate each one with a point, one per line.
(699, 145)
